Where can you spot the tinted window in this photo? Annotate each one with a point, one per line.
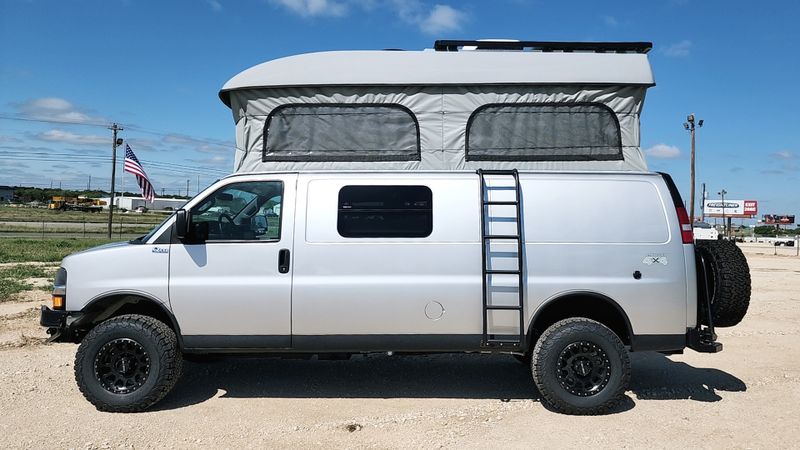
(385, 211)
(349, 132)
(543, 132)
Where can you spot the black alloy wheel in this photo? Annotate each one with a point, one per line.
(583, 369)
(122, 366)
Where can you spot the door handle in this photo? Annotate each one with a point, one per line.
(283, 260)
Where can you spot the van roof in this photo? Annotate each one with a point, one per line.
(494, 64)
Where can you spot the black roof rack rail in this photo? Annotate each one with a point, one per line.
(447, 45)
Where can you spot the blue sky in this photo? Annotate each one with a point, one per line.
(156, 67)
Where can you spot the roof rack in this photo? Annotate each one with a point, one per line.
(542, 46)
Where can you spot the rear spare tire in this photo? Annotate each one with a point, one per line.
(728, 277)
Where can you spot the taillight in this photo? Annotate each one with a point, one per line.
(686, 225)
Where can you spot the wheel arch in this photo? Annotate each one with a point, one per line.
(588, 304)
(117, 303)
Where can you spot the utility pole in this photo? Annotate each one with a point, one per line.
(690, 127)
(89, 185)
(187, 188)
(724, 222)
(198, 185)
(114, 128)
(703, 204)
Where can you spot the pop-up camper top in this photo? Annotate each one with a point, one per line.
(463, 105)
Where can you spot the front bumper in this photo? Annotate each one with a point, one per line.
(58, 323)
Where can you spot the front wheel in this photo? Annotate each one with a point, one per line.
(128, 363)
(580, 367)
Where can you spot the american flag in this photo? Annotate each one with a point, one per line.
(132, 165)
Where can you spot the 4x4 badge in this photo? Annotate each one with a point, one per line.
(655, 259)
(160, 250)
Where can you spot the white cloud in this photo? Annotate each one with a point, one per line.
(197, 144)
(215, 5)
(441, 18)
(9, 139)
(663, 151)
(785, 154)
(610, 21)
(311, 8)
(55, 109)
(66, 137)
(679, 49)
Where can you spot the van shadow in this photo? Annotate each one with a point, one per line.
(657, 377)
(464, 376)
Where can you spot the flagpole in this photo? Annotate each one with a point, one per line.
(122, 191)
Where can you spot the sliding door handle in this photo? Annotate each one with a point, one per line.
(283, 260)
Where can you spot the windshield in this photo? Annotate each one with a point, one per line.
(146, 237)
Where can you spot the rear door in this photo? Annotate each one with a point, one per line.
(233, 290)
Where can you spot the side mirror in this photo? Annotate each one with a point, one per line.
(181, 223)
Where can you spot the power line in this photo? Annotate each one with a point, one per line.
(141, 129)
(63, 122)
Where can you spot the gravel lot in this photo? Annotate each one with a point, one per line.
(745, 397)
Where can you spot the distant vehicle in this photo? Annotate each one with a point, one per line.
(786, 241)
(80, 203)
(141, 209)
(705, 232)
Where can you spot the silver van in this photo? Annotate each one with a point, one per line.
(420, 204)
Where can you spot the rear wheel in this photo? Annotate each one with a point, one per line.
(127, 363)
(580, 367)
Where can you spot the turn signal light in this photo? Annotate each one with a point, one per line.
(58, 302)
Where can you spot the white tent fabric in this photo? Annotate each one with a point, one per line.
(442, 113)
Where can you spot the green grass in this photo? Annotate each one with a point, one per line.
(9, 287)
(12, 279)
(44, 250)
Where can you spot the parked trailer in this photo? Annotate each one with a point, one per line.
(447, 200)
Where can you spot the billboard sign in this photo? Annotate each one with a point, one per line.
(778, 219)
(731, 208)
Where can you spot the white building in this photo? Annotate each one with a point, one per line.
(131, 203)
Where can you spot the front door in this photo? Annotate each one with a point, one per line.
(233, 288)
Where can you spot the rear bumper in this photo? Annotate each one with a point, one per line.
(58, 323)
(699, 340)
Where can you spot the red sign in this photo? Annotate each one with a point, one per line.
(751, 207)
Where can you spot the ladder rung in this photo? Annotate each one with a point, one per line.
(505, 307)
(501, 203)
(504, 272)
(500, 236)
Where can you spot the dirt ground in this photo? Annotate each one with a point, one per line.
(748, 396)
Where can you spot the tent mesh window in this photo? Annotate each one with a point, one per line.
(341, 132)
(543, 132)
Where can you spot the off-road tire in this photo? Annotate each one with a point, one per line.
(545, 367)
(729, 282)
(165, 362)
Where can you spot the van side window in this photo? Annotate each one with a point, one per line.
(341, 132)
(248, 211)
(543, 132)
(385, 211)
